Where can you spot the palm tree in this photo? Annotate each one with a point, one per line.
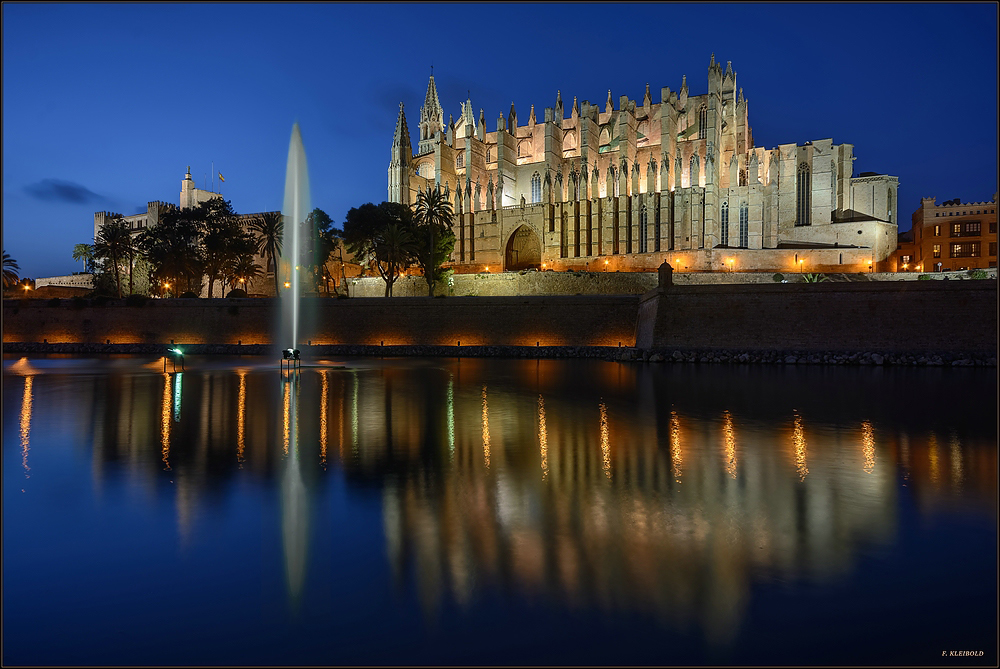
(10, 270)
(114, 243)
(269, 230)
(433, 222)
(85, 253)
(243, 272)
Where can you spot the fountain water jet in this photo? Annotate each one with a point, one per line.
(294, 210)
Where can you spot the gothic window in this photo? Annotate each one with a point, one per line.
(891, 205)
(703, 122)
(426, 170)
(656, 230)
(536, 188)
(744, 226)
(605, 136)
(724, 232)
(489, 154)
(743, 177)
(569, 140)
(460, 160)
(803, 196)
(643, 228)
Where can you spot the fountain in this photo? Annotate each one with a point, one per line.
(294, 211)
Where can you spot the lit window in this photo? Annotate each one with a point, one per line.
(460, 160)
(744, 226)
(703, 123)
(937, 230)
(536, 188)
(643, 228)
(803, 196)
(724, 232)
(937, 250)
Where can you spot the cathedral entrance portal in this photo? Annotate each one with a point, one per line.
(523, 250)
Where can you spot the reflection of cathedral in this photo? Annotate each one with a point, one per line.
(616, 494)
(628, 184)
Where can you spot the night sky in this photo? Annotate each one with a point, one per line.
(104, 106)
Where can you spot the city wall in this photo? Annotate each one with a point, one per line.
(877, 316)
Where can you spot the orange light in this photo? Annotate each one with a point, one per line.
(605, 262)
(288, 285)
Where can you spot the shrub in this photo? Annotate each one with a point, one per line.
(341, 296)
(188, 293)
(136, 300)
(100, 300)
(924, 277)
(237, 292)
(778, 278)
(977, 274)
(814, 278)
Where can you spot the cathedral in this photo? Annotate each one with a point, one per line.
(627, 186)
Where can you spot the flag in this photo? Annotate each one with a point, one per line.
(221, 178)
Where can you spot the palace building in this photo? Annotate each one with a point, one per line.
(628, 186)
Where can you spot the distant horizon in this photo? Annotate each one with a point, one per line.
(103, 113)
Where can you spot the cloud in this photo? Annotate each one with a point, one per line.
(56, 190)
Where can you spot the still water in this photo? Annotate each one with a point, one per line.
(496, 511)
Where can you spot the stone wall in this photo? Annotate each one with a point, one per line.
(907, 316)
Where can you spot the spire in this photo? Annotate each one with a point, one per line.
(559, 107)
(712, 64)
(684, 83)
(609, 106)
(401, 138)
(574, 111)
(531, 117)
(740, 100)
(729, 69)
(431, 117)
(647, 99)
(512, 119)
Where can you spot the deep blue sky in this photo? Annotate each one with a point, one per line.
(105, 105)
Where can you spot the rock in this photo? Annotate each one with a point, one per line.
(656, 357)
(678, 356)
(791, 359)
(877, 359)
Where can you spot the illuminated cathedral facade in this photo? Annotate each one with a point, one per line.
(628, 186)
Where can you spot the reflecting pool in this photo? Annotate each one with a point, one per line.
(421, 511)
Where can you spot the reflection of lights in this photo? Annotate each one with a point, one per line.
(675, 445)
(241, 418)
(26, 424)
(799, 441)
(868, 442)
(904, 454)
(286, 416)
(932, 455)
(486, 430)
(177, 395)
(165, 423)
(730, 436)
(543, 438)
(957, 468)
(324, 395)
(451, 418)
(605, 441)
(354, 414)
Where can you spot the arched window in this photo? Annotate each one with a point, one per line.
(460, 160)
(489, 154)
(643, 228)
(569, 140)
(656, 230)
(605, 136)
(536, 188)
(724, 227)
(890, 199)
(426, 170)
(803, 196)
(703, 122)
(744, 226)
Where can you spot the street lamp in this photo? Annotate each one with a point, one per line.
(801, 261)
(605, 265)
(730, 261)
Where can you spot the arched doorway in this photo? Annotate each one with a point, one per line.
(523, 250)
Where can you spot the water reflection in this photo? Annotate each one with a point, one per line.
(456, 454)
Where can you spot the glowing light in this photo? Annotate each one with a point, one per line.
(730, 438)
(543, 438)
(676, 456)
(451, 418)
(165, 423)
(605, 441)
(799, 442)
(288, 285)
(241, 418)
(486, 430)
(286, 417)
(323, 398)
(957, 468)
(354, 414)
(868, 446)
(26, 424)
(178, 380)
(933, 457)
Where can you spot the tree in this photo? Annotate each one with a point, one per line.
(435, 239)
(113, 244)
(243, 272)
(85, 253)
(269, 229)
(172, 249)
(321, 241)
(382, 235)
(220, 231)
(10, 270)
